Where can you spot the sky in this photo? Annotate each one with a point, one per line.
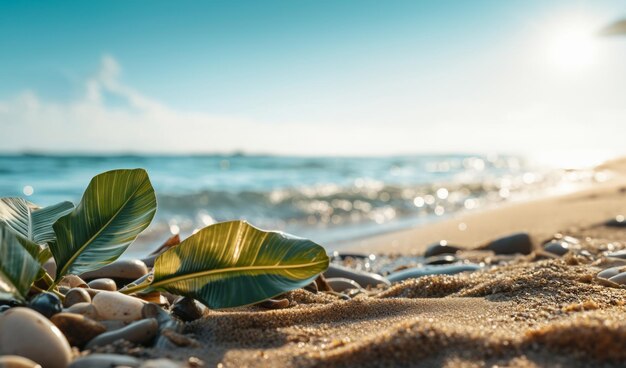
(307, 77)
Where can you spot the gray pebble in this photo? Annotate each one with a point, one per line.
(105, 361)
(364, 279)
(139, 332)
(341, 284)
(620, 278)
(511, 244)
(412, 273)
(610, 272)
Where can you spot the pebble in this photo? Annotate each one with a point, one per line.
(78, 329)
(4, 308)
(620, 278)
(14, 361)
(512, 244)
(113, 325)
(162, 363)
(619, 254)
(105, 361)
(51, 267)
(124, 270)
(76, 295)
(341, 284)
(85, 309)
(187, 309)
(274, 303)
(46, 303)
(72, 281)
(557, 247)
(117, 306)
(103, 284)
(140, 332)
(27, 333)
(364, 279)
(441, 259)
(440, 248)
(412, 273)
(610, 272)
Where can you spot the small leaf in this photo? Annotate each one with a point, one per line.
(232, 264)
(116, 207)
(31, 221)
(18, 267)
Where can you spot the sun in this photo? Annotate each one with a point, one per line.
(571, 46)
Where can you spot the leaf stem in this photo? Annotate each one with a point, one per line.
(61, 296)
(134, 289)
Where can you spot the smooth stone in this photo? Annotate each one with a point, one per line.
(86, 309)
(341, 284)
(72, 281)
(105, 361)
(46, 303)
(274, 303)
(117, 306)
(616, 222)
(27, 333)
(312, 287)
(364, 279)
(51, 267)
(511, 244)
(440, 248)
(413, 273)
(76, 295)
(162, 363)
(441, 259)
(557, 247)
(619, 254)
(140, 332)
(92, 292)
(103, 284)
(124, 270)
(610, 272)
(166, 323)
(4, 308)
(15, 361)
(78, 329)
(620, 278)
(187, 309)
(113, 325)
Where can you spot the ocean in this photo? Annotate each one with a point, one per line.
(326, 199)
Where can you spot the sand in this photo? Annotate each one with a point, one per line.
(529, 311)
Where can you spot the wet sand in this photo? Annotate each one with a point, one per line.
(527, 311)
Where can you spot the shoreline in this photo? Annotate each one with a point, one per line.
(541, 217)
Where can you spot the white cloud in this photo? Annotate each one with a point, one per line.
(501, 122)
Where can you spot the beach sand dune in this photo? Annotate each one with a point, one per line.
(531, 312)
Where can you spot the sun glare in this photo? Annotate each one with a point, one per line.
(571, 46)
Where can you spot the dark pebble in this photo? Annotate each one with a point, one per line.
(440, 248)
(46, 303)
(187, 309)
(512, 244)
(412, 273)
(557, 247)
(4, 308)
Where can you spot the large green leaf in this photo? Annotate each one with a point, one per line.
(31, 221)
(232, 264)
(116, 207)
(18, 266)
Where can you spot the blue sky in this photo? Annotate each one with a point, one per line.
(310, 77)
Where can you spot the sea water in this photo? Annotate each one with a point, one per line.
(326, 199)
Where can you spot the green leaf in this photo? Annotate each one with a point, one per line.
(18, 267)
(31, 221)
(116, 207)
(232, 264)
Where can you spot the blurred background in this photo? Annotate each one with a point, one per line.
(328, 119)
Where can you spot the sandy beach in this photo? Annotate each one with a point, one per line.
(537, 309)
